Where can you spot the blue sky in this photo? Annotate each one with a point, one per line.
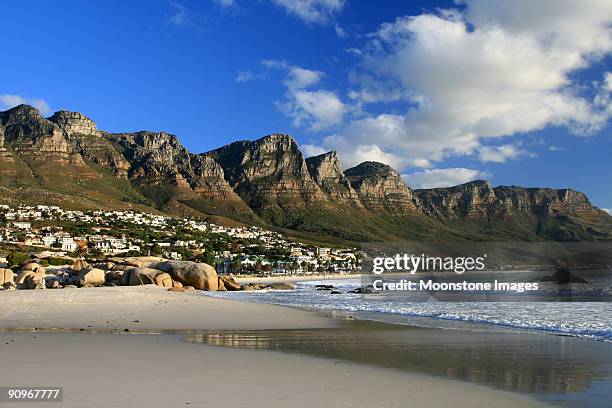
(516, 92)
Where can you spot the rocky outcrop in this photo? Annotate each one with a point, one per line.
(381, 189)
(91, 277)
(85, 138)
(36, 138)
(326, 171)
(199, 275)
(269, 173)
(159, 159)
(155, 158)
(6, 276)
(545, 201)
(209, 179)
(479, 199)
(475, 198)
(75, 123)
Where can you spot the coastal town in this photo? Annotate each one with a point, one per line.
(52, 233)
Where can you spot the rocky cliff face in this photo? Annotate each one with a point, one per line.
(326, 171)
(75, 123)
(155, 158)
(475, 198)
(544, 201)
(36, 138)
(269, 173)
(159, 159)
(84, 137)
(479, 199)
(380, 188)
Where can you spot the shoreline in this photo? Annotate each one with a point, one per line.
(100, 312)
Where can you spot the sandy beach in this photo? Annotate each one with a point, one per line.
(103, 365)
(146, 307)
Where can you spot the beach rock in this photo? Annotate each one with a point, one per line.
(139, 276)
(34, 267)
(335, 292)
(22, 276)
(281, 286)
(367, 289)
(199, 275)
(114, 276)
(188, 288)
(176, 284)
(247, 288)
(229, 283)
(91, 277)
(79, 264)
(6, 275)
(9, 286)
(34, 280)
(164, 280)
(257, 286)
(324, 287)
(53, 284)
(221, 285)
(122, 268)
(176, 289)
(142, 261)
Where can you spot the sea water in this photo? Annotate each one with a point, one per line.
(590, 320)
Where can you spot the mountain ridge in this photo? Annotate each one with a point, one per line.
(268, 181)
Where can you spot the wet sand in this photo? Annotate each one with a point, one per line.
(132, 370)
(103, 365)
(563, 371)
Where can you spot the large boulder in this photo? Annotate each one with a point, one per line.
(281, 286)
(139, 276)
(32, 280)
(142, 261)
(92, 277)
(23, 274)
(199, 275)
(6, 275)
(230, 284)
(164, 280)
(34, 267)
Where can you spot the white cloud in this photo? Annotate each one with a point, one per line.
(299, 78)
(443, 177)
(312, 11)
(183, 18)
(501, 154)
(467, 79)
(8, 101)
(340, 32)
(310, 150)
(317, 110)
(179, 18)
(608, 210)
(554, 148)
(246, 76)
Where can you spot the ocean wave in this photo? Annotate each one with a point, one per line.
(589, 320)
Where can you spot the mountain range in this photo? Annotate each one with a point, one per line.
(66, 160)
